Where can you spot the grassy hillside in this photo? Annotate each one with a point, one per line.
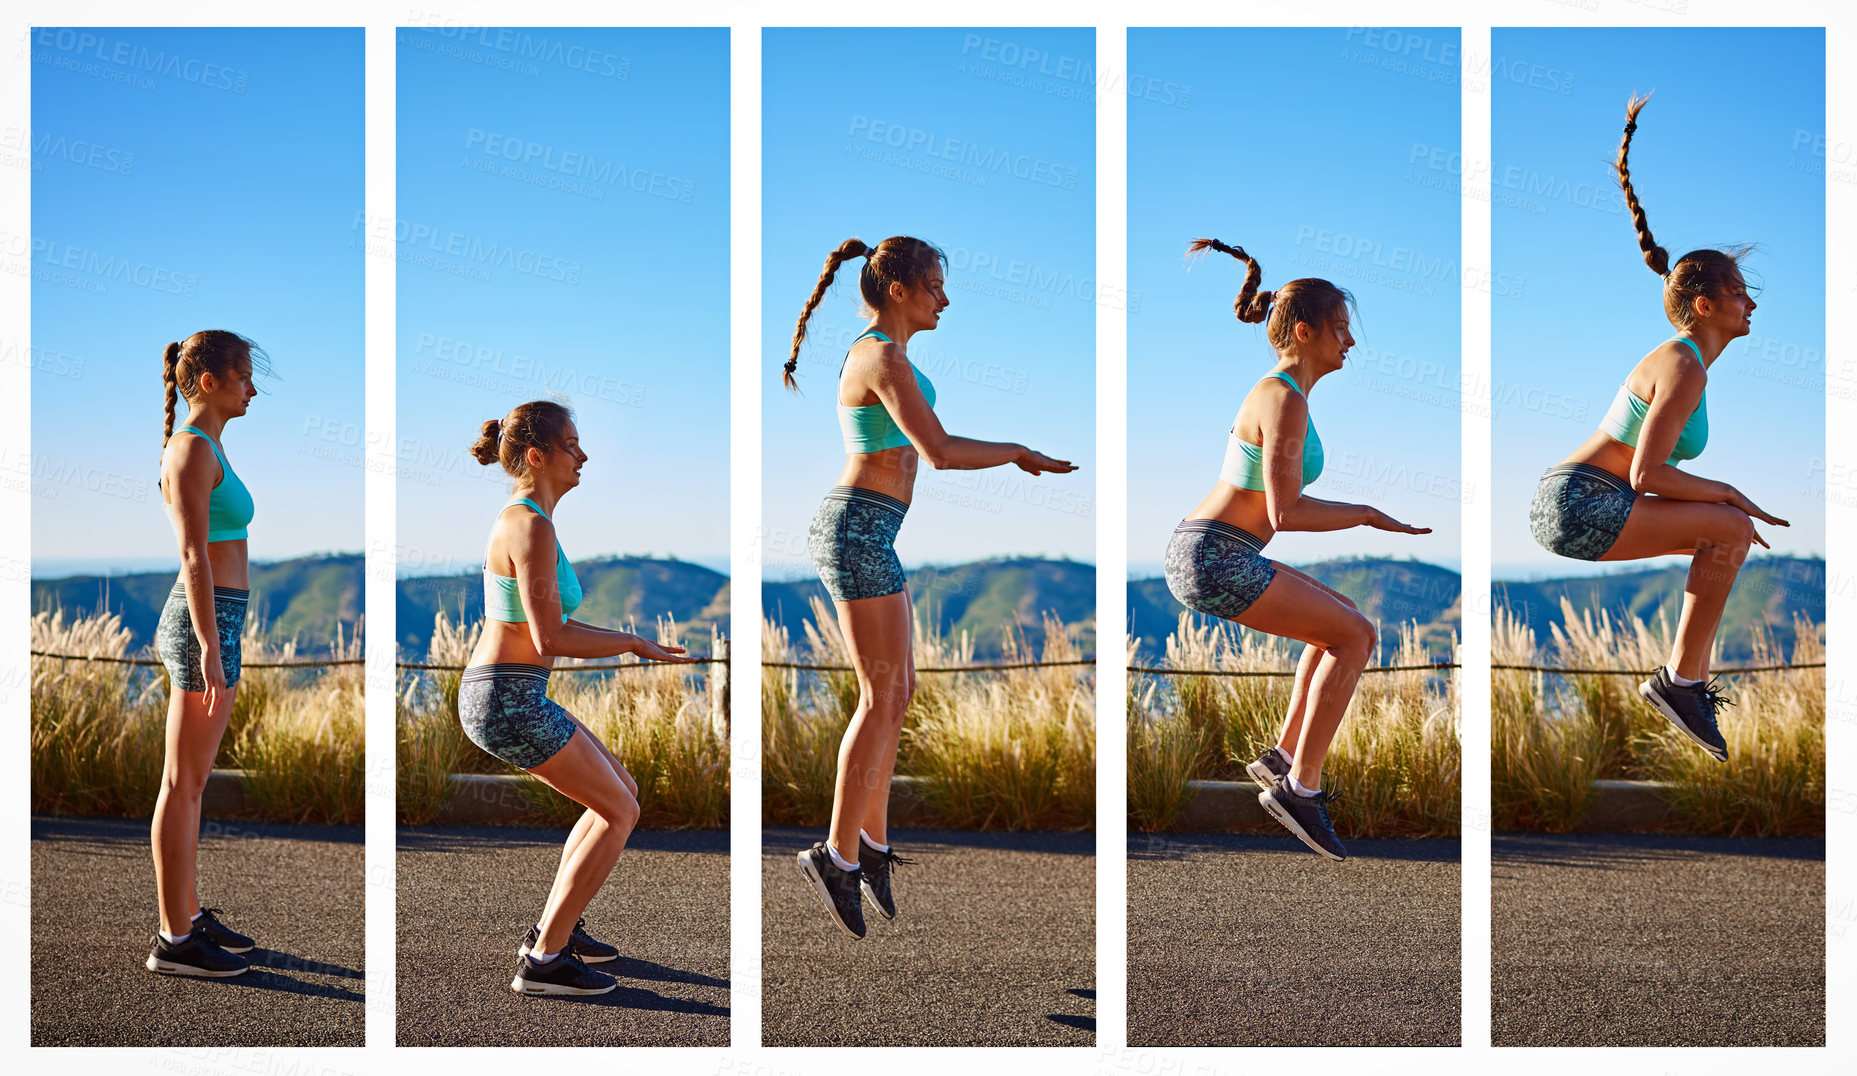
(980, 598)
(1769, 591)
(306, 598)
(1390, 592)
(617, 591)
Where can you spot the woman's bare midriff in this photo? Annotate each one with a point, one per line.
(1605, 452)
(891, 472)
(230, 564)
(507, 643)
(1239, 507)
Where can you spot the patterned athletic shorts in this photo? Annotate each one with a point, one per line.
(505, 709)
(853, 539)
(1579, 511)
(180, 650)
(1216, 568)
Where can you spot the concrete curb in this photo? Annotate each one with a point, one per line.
(1615, 807)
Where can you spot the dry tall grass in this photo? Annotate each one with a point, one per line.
(1395, 760)
(656, 720)
(98, 728)
(1009, 750)
(1554, 735)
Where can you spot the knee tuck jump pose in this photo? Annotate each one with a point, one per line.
(886, 407)
(1216, 565)
(529, 592)
(1621, 495)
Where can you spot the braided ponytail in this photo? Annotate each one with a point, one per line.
(1310, 300)
(1251, 306)
(850, 248)
(1654, 256)
(170, 387)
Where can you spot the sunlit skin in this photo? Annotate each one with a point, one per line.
(1681, 513)
(196, 719)
(522, 547)
(879, 631)
(1295, 605)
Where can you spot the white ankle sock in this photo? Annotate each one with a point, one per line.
(837, 860)
(539, 957)
(873, 844)
(175, 939)
(1670, 671)
(1297, 787)
(1287, 758)
(196, 916)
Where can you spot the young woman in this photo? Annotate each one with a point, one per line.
(1216, 564)
(198, 635)
(529, 591)
(886, 410)
(1621, 496)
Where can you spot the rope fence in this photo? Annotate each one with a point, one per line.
(1441, 666)
(242, 664)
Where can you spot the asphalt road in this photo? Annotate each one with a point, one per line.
(994, 945)
(1657, 940)
(467, 895)
(296, 889)
(1252, 940)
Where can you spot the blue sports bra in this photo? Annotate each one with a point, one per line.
(870, 428)
(229, 508)
(1244, 461)
(503, 602)
(1624, 420)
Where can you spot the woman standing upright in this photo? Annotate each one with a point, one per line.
(529, 592)
(198, 635)
(1216, 564)
(886, 409)
(1621, 495)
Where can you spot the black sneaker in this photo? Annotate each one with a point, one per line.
(1691, 709)
(198, 955)
(838, 888)
(564, 976)
(1269, 766)
(1305, 816)
(874, 869)
(582, 944)
(223, 936)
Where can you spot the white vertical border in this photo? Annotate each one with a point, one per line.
(745, 527)
(1473, 651)
(16, 505)
(1840, 526)
(382, 552)
(1111, 540)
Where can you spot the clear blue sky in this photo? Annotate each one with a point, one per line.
(1723, 154)
(564, 228)
(982, 142)
(1300, 146)
(184, 180)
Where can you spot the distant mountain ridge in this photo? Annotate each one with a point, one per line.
(616, 591)
(306, 598)
(1769, 590)
(982, 597)
(1390, 592)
